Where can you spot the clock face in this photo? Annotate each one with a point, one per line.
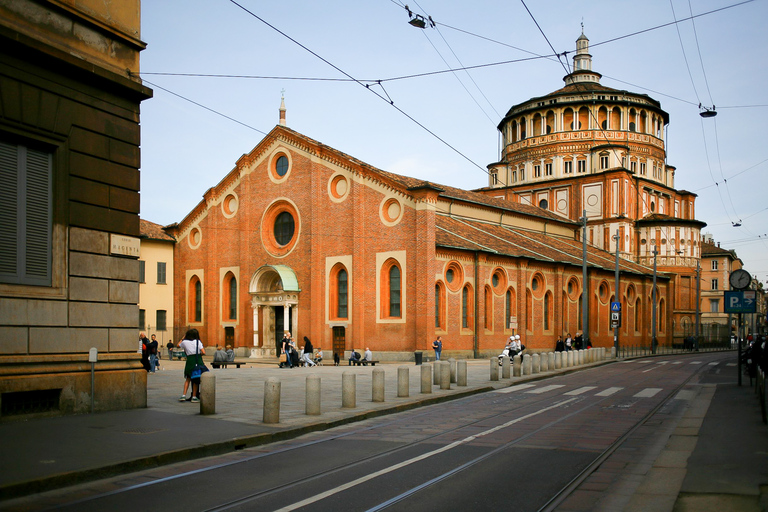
(740, 279)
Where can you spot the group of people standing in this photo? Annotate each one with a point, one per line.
(296, 357)
(575, 343)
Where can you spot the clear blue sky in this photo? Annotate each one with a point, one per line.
(187, 149)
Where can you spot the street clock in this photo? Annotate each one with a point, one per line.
(740, 279)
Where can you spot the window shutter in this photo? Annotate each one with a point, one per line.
(38, 217)
(8, 210)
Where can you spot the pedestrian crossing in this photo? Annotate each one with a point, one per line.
(533, 389)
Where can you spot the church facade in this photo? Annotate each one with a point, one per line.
(301, 237)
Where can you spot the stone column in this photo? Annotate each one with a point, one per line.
(256, 310)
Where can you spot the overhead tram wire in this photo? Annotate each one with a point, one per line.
(367, 86)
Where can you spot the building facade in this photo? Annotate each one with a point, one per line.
(69, 247)
(587, 150)
(156, 282)
(301, 237)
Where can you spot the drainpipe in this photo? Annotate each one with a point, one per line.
(477, 284)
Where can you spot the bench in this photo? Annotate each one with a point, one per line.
(178, 353)
(362, 362)
(217, 364)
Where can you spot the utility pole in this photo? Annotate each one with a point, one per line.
(585, 282)
(653, 305)
(616, 295)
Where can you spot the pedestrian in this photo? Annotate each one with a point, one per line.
(294, 352)
(568, 343)
(286, 348)
(578, 341)
(559, 345)
(152, 352)
(308, 350)
(437, 346)
(169, 346)
(144, 341)
(194, 349)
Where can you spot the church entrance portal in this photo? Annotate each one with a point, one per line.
(274, 293)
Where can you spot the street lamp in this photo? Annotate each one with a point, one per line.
(653, 308)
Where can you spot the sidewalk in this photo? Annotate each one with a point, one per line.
(43, 454)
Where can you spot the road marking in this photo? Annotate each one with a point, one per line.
(685, 394)
(579, 391)
(366, 478)
(647, 393)
(651, 369)
(545, 389)
(713, 364)
(512, 389)
(609, 391)
(695, 362)
(645, 361)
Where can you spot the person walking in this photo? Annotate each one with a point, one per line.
(568, 343)
(559, 345)
(194, 349)
(308, 350)
(286, 348)
(437, 346)
(152, 352)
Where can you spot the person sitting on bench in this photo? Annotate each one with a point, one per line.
(219, 357)
(367, 357)
(354, 359)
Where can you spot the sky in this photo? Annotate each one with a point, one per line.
(441, 125)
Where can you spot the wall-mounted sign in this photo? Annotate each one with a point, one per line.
(122, 245)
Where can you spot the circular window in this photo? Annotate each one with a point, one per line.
(631, 294)
(229, 206)
(653, 206)
(643, 241)
(454, 276)
(391, 211)
(543, 204)
(603, 291)
(284, 228)
(338, 187)
(573, 289)
(535, 284)
(195, 237)
(495, 280)
(499, 281)
(281, 166)
(280, 228)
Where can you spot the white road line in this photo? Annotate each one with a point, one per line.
(695, 362)
(545, 389)
(647, 393)
(685, 394)
(645, 361)
(366, 478)
(651, 369)
(609, 391)
(714, 364)
(579, 391)
(512, 389)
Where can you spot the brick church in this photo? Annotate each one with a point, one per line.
(301, 237)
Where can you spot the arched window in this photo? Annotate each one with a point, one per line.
(229, 296)
(583, 118)
(391, 289)
(338, 292)
(602, 118)
(195, 296)
(523, 124)
(568, 119)
(467, 304)
(550, 120)
(394, 291)
(488, 308)
(341, 293)
(547, 310)
(439, 306)
(662, 316)
(536, 125)
(508, 309)
(615, 119)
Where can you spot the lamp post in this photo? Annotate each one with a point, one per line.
(653, 306)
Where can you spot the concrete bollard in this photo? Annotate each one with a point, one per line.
(551, 362)
(536, 362)
(527, 366)
(208, 393)
(348, 390)
(517, 367)
(581, 356)
(494, 369)
(377, 388)
(461, 372)
(613, 352)
(312, 403)
(602, 353)
(403, 381)
(452, 363)
(271, 400)
(445, 375)
(544, 362)
(570, 358)
(436, 373)
(426, 378)
(505, 367)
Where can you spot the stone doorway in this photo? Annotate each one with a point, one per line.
(274, 293)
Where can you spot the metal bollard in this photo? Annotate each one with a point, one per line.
(505, 367)
(527, 366)
(271, 400)
(494, 369)
(452, 363)
(348, 390)
(377, 389)
(461, 372)
(536, 362)
(426, 378)
(208, 393)
(312, 401)
(445, 375)
(517, 368)
(403, 381)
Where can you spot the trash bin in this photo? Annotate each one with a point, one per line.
(417, 355)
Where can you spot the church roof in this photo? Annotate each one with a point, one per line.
(472, 235)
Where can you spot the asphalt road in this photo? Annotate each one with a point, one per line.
(527, 447)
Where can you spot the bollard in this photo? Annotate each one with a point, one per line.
(445, 375)
(602, 353)
(271, 400)
(613, 352)
(461, 372)
(348, 390)
(505, 367)
(517, 369)
(544, 362)
(208, 393)
(527, 366)
(452, 363)
(403, 381)
(436, 371)
(377, 389)
(426, 378)
(536, 361)
(312, 401)
(570, 358)
(558, 360)
(551, 362)
(494, 368)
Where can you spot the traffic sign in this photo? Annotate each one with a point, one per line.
(615, 319)
(742, 301)
(615, 306)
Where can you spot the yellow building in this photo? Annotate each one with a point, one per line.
(156, 282)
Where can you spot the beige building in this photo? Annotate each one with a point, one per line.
(156, 282)
(69, 206)
(716, 266)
